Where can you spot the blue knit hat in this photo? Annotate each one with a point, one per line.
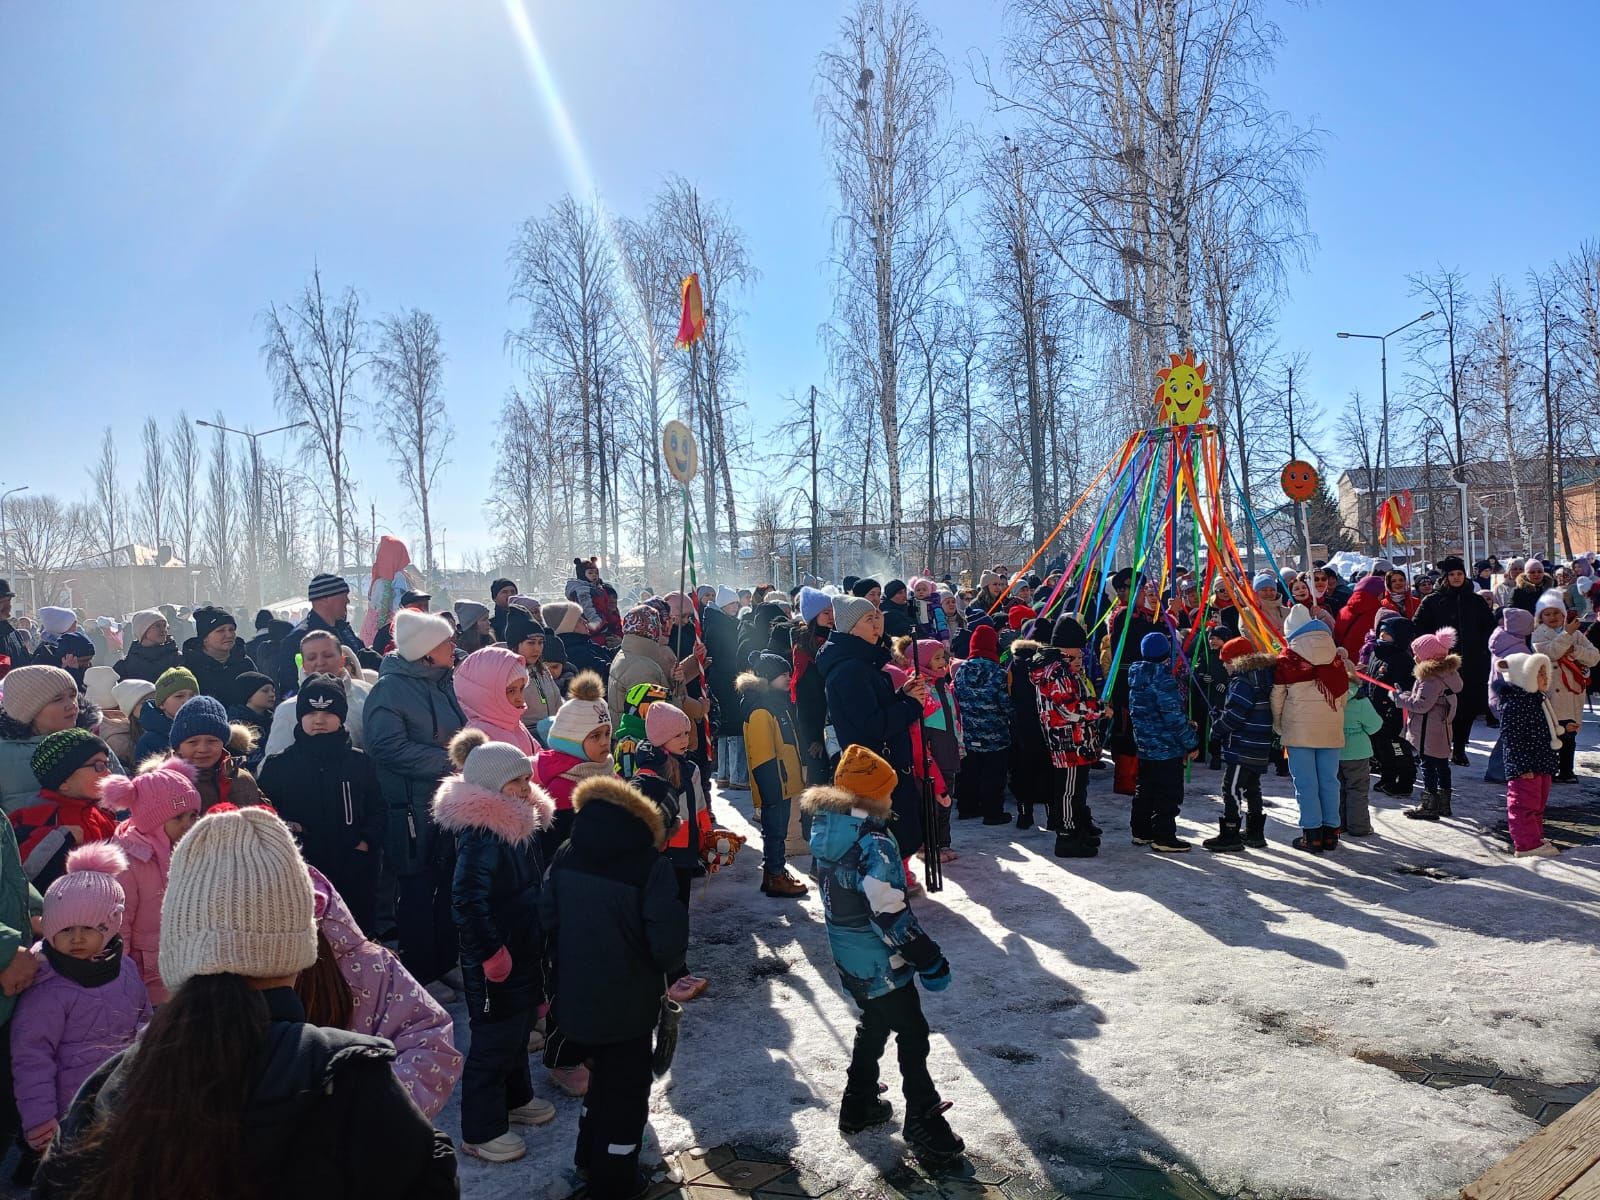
(1154, 648)
(200, 715)
(1267, 579)
(813, 603)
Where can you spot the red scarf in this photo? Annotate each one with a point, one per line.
(1331, 679)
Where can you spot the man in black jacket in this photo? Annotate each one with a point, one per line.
(719, 625)
(866, 710)
(610, 909)
(330, 606)
(896, 610)
(12, 644)
(1462, 607)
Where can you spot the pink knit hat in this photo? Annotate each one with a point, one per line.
(1433, 645)
(926, 649)
(664, 722)
(88, 894)
(153, 797)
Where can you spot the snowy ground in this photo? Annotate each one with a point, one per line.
(1206, 1010)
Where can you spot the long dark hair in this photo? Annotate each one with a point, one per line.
(177, 1128)
(323, 990)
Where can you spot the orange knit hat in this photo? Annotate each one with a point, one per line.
(864, 773)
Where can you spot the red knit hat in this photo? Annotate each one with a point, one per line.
(985, 643)
(1017, 614)
(1237, 648)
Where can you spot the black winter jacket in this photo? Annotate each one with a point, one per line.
(216, 679)
(1464, 610)
(330, 789)
(862, 702)
(148, 662)
(610, 910)
(721, 635)
(584, 655)
(326, 1119)
(266, 645)
(288, 672)
(495, 894)
(410, 716)
(896, 619)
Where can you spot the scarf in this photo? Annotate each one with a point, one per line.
(94, 972)
(1331, 678)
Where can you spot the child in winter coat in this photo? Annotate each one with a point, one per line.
(628, 734)
(1390, 662)
(252, 697)
(162, 803)
(1556, 636)
(772, 750)
(327, 791)
(1430, 707)
(668, 778)
(879, 950)
(203, 738)
(127, 698)
(1361, 722)
(1030, 761)
(597, 600)
(611, 913)
(495, 813)
(1243, 727)
(980, 688)
(929, 660)
(1073, 722)
(1166, 739)
(1311, 683)
(1532, 736)
(580, 748)
(173, 690)
(489, 687)
(69, 765)
(87, 1001)
(359, 985)
(1208, 684)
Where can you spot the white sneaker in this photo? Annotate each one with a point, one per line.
(1542, 850)
(441, 992)
(508, 1147)
(534, 1112)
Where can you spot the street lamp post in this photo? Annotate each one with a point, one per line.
(1383, 447)
(255, 490)
(5, 526)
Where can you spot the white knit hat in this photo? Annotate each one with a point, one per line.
(1551, 599)
(141, 621)
(238, 901)
(726, 595)
(415, 633)
(98, 685)
(492, 765)
(130, 693)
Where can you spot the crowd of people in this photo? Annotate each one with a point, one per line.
(233, 867)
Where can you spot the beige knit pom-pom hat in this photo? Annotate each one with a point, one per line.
(238, 901)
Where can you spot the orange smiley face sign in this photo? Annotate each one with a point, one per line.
(1299, 481)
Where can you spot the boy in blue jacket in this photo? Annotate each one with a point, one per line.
(1166, 739)
(879, 949)
(1244, 725)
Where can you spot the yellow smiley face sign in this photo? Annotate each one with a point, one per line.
(679, 452)
(1183, 391)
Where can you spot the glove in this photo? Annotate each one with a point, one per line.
(498, 966)
(39, 1136)
(937, 977)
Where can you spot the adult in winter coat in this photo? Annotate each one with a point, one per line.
(1572, 655)
(14, 648)
(1531, 586)
(328, 792)
(640, 659)
(719, 628)
(215, 656)
(265, 648)
(896, 610)
(611, 913)
(867, 710)
(330, 608)
(291, 1109)
(1460, 606)
(37, 701)
(1358, 616)
(806, 688)
(495, 814)
(321, 654)
(597, 600)
(411, 716)
(1311, 685)
(980, 686)
(384, 1002)
(566, 622)
(489, 687)
(1243, 725)
(151, 650)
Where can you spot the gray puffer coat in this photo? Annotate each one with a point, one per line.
(410, 717)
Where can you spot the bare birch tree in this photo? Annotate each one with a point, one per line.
(316, 349)
(220, 536)
(45, 536)
(1501, 382)
(413, 419)
(151, 494)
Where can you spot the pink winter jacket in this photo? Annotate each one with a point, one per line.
(559, 774)
(62, 1032)
(389, 1003)
(144, 883)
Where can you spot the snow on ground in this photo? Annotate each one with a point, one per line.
(1203, 1009)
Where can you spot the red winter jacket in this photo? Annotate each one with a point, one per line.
(42, 838)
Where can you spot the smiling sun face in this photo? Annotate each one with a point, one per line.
(1182, 394)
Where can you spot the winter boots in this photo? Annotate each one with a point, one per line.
(1255, 831)
(930, 1137)
(782, 885)
(1444, 803)
(1427, 808)
(1227, 838)
(1310, 840)
(1024, 815)
(1168, 843)
(1076, 845)
(1330, 838)
(858, 1111)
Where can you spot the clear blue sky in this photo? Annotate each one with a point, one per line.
(169, 169)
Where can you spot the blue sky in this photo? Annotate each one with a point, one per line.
(169, 169)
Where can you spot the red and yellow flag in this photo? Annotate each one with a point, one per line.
(692, 324)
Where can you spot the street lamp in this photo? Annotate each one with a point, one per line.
(5, 528)
(1383, 341)
(255, 490)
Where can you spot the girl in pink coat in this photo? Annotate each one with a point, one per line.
(162, 804)
(375, 995)
(489, 686)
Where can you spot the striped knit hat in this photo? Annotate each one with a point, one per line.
(324, 585)
(60, 754)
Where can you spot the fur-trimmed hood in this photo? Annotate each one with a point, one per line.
(1428, 668)
(748, 683)
(1027, 648)
(1250, 662)
(610, 790)
(459, 806)
(836, 800)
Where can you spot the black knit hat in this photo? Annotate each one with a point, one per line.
(1450, 562)
(246, 684)
(208, 619)
(263, 618)
(893, 588)
(769, 665)
(60, 754)
(520, 626)
(321, 693)
(1068, 635)
(555, 650)
(500, 585)
(861, 587)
